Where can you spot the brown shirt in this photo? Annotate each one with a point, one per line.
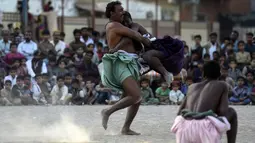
(45, 47)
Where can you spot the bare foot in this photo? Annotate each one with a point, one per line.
(129, 132)
(105, 118)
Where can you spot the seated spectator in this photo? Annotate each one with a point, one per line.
(231, 55)
(90, 93)
(243, 58)
(186, 84)
(52, 67)
(216, 56)
(45, 46)
(80, 78)
(163, 93)
(233, 72)
(12, 76)
(240, 93)
(36, 65)
(249, 68)
(58, 44)
(77, 94)
(175, 95)
(13, 55)
(22, 69)
(249, 46)
(61, 70)
(5, 95)
(68, 81)
(59, 93)
(206, 58)
(74, 45)
(198, 72)
(225, 77)
(249, 81)
(46, 87)
(100, 52)
(95, 57)
(103, 93)
(38, 95)
(223, 61)
(148, 97)
(78, 56)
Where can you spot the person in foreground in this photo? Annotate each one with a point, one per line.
(205, 115)
(120, 69)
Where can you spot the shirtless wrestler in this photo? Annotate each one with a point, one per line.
(210, 94)
(120, 70)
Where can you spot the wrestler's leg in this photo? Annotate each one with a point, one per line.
(232, 118)
(152, 57)
(132, 97)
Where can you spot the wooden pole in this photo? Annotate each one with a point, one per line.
(93, 15)
(62, 16)
(156, 20)
(127, 5)
(25, 14)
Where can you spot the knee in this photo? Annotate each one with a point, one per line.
(146, 56)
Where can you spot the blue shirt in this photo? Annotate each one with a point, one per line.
(240, 92)
(249, 48)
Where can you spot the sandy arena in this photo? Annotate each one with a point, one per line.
(83, 124)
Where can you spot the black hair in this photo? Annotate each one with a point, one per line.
(145, 80)
(75, 81)
(12, 44)
(46, 32)
(250, 73)
(99, 44)
(20, 77)
(60, 77)
(198, 36)
(212, 70)
(84, 28)
(241, 42)
(90, 45)
(232, 60)
(186, 46)
(126, 13)
(240, 77)
(38, 75)
(8, 81)
(63, 34)
(236, 32)
(111, 8)
(226, 38)
(13, 69)
(76, 31)
(213, 34)
(68, 74)
(249, 34)
(90, 52)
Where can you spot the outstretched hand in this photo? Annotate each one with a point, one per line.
(146, 42)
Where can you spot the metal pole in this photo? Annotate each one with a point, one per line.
(93, 13)
(156, 21)
(62, 16)
(25, 14)
(127, 5)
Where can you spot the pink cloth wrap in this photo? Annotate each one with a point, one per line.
(207, 130)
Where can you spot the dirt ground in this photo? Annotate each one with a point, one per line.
(83, 124)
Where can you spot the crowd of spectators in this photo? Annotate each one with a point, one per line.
(58, 73)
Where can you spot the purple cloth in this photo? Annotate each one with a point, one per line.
(174, 53)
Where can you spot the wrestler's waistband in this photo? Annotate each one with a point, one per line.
(128, 54)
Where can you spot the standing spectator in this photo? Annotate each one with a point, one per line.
(234, 40)
(76, 93)
(249, 46)
(243, 58)
(187, 57)
(59, 92)
(95, 58)
(74, 45)
(233, 72)
(45, 46)
(249, 68)
(163, 93)
(58, 44)
(212, 46)
(5, 95)
(85, 36)
(226, 41)
(240, 93)
(197, 47)
(5, 43)
(18, 36)
(38, 95)
(175, 95)
(13, 55)
(12, 76)
(27, 47)
(36, 65)
(100, 52)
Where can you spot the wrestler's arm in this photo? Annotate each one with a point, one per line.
(122, 43)
(142, 30)
(184, 102)
(223, 105)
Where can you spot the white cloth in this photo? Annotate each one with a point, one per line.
(27, 49)
(89, 41)
(59, 47)
(31, 71)
(13, 80)
(37, 93)
(60, 92)
(176, 96)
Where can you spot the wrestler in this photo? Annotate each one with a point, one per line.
(120, 69)
(206, 101)
(164, 56)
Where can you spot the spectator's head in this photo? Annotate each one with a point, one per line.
(62, 64)
(226, 40)
(13, 47)
(27, 80)
(8, 85)
(186, 49)
(114, 11)
(16, 63)
(45, 77)
(89, 84)
(46, 34)
(224, 71)
(28, 36)
(39, 79)
(52, 62)
(79, 51)
(145, 83)
(249, 37)
(229, 46)
(206, 57)
(6, 35)
(232, 64)
(216, 55)
(231, 54)
(99, 46)
(197, 39)
(222, 58)
(79, 77)
(189, 80)
(240, 81)
(68, 79)
(96, 36)
(56, 36)
(194, 55)
(200, 64)
(234, 35)
(253, 63)
(249, 76)
(212, 70)
(60, 81)
(77, 34)
(90, 47)
(20, 81)
(62, 36)
(175, 85)
(127, 20)
(241, 45)
(85, 32)
(13, 72)
(75, 84)
(213, 37)
(88, 56)
(67, 52)
(164, 85)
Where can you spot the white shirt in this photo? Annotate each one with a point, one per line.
(27, 49)
(89, 41)
(59, 47)
(176, 96)
(211, 50)
(62, 92)
(13, 80)
(36, 91)
(31, 71)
